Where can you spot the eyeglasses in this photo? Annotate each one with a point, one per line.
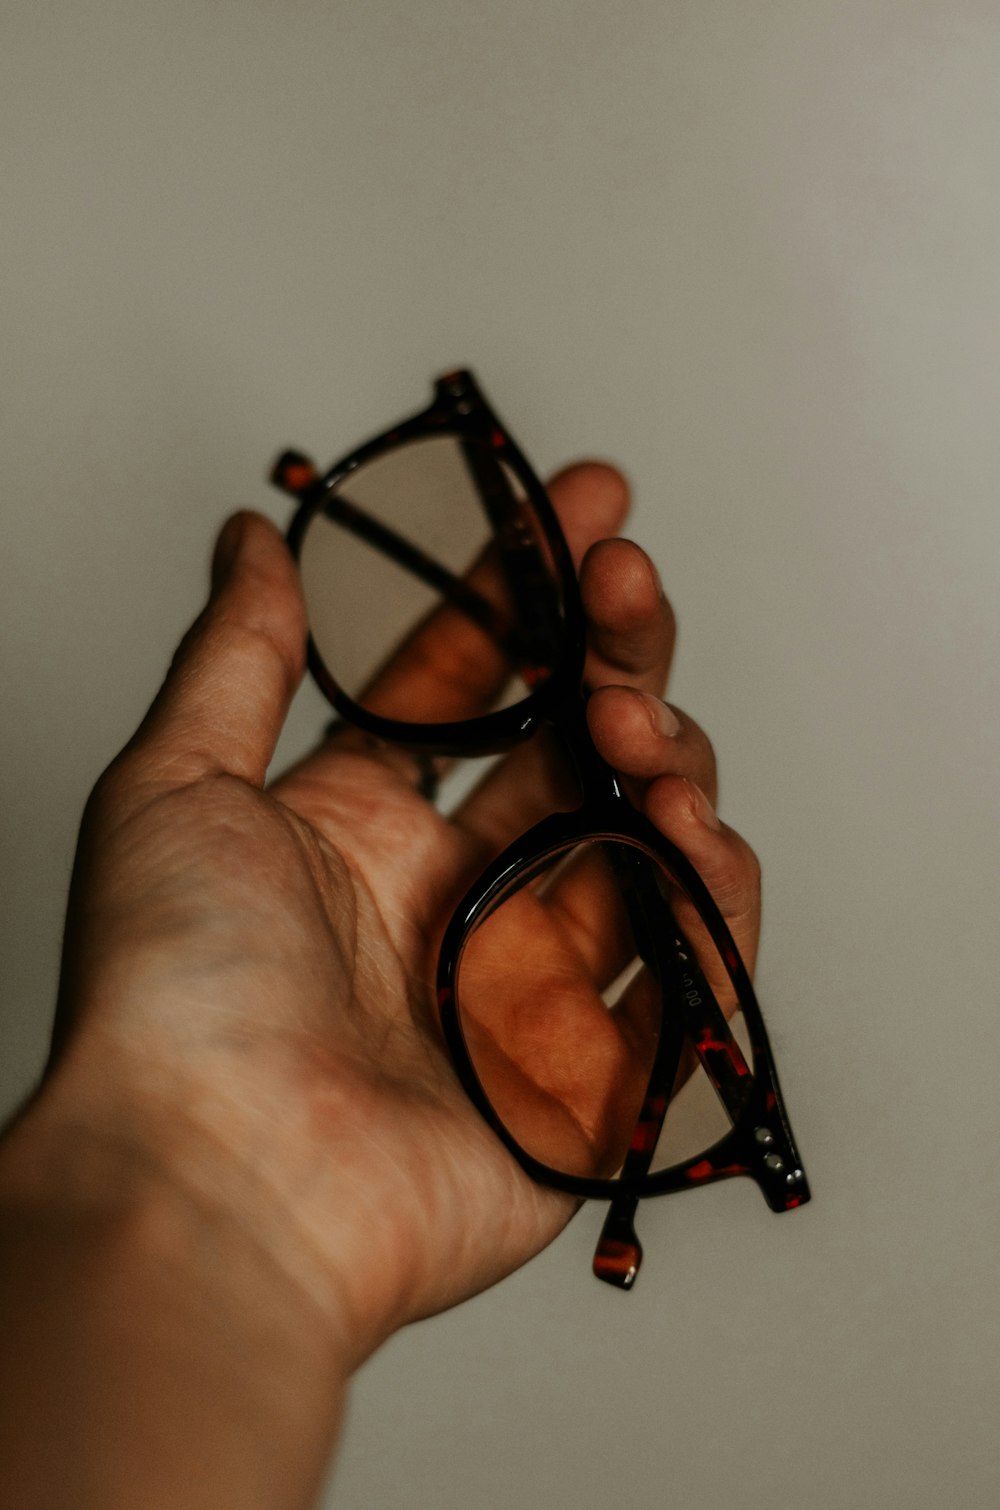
(593, 1002)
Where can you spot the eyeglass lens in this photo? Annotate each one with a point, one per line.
(561, 990)
(429, 585)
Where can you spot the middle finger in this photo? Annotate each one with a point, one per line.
(631, 635)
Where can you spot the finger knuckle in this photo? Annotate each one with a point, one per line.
(738, 882)
(704, 765)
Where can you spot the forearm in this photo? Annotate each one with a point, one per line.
(152, 1353)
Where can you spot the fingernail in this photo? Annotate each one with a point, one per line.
(702, 808)
(661, 716)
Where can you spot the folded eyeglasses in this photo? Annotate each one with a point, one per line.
(591, 997)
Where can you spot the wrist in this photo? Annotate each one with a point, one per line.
(153, 1348)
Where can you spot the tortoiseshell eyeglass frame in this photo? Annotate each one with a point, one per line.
(759, 1142)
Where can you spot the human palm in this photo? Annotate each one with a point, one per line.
(247, 972)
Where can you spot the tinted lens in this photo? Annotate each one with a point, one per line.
(578, 997)
(429, 584)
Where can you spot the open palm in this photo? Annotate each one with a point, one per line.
(246, 987)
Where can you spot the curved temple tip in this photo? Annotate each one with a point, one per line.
(617, 1263)
(619, 1252)
(293, 472)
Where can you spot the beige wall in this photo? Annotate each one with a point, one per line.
(752, 250)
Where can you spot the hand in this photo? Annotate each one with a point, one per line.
(252, 967)
(245, 996)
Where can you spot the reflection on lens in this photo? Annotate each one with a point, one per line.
(429, 584)
(598, 1033)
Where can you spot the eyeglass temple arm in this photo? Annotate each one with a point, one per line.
(618, 1256)
(529, 580)
(296, 475)
(672, 963)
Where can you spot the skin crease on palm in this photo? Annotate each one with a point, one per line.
(245, 1004)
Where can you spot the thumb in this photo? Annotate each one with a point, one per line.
(227, 693)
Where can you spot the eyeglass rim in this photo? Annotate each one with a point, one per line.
(459, 408)
(738, 1151)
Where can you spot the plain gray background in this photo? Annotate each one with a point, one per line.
(751, 250)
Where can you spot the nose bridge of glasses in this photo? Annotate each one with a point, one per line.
(600, 785)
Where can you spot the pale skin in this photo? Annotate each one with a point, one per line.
(252, 1161)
